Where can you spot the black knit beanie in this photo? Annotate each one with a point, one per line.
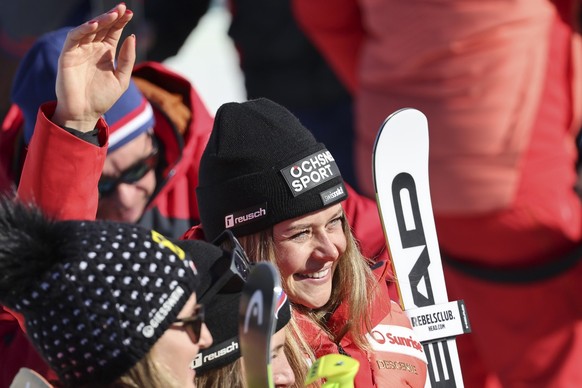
(261, 166)
(95, 296)
(222, 321)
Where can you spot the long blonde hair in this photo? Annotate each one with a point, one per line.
(353, 282)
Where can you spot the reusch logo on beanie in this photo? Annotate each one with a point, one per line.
(247, 215)
(261, 166)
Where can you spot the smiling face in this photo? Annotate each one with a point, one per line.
(307, 250)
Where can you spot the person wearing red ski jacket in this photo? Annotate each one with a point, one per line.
(182, 128)
(266, 178)
(361, 213)
(60, 172)
(499, 82)
(395, 358)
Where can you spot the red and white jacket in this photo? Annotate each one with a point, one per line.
(53, 153)
(396, 358)
(60, 173)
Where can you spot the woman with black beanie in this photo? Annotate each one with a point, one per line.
(265, 177)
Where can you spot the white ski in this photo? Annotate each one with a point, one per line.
(257, 323)
(400, 169)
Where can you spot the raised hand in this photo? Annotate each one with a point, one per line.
(89, 81)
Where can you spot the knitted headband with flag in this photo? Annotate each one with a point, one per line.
(34, 84)
(261, 166)
(222, 320)
(95, 296)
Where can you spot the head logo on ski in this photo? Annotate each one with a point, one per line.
(403, 197)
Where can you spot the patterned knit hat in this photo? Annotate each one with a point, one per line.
(261, 166)
(95, 296)
(34, 84)
(222, 320)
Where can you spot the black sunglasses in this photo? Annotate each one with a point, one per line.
(193, 324)
(131, 175)
(232, 269)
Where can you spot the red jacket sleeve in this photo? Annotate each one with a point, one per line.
(335, 28)
(56, 158)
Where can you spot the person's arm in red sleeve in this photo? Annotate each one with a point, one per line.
(335, 28)
(61, 171)
(89, 81)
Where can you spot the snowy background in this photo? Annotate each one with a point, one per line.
(209, 60)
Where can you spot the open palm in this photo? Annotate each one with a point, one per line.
(89, 81)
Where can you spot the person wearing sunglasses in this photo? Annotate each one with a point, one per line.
(94, 303)
(89, 83)
(142, 168)
(133, 174)
(148, 163)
